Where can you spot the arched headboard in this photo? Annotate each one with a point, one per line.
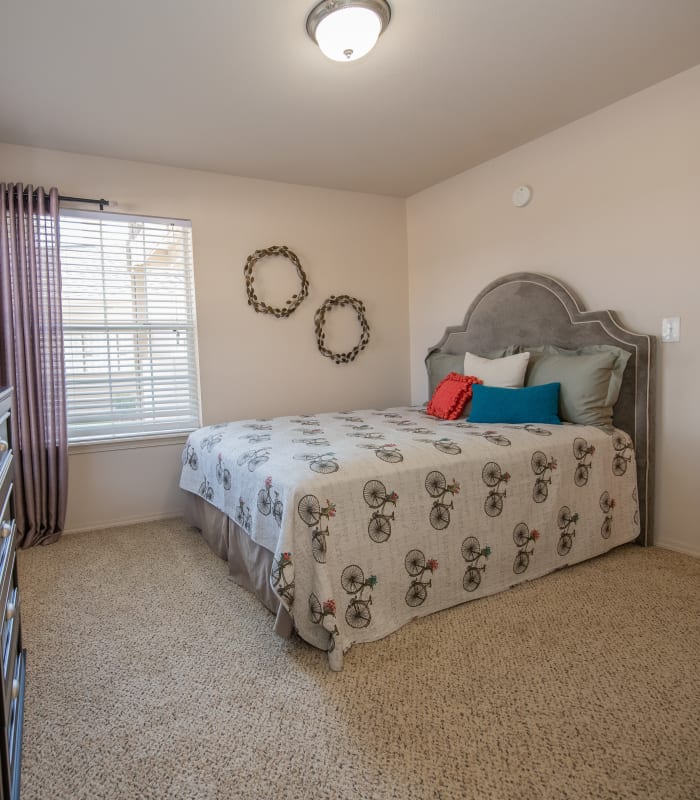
(527, 308)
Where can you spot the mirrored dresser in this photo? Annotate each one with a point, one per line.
(13, 655)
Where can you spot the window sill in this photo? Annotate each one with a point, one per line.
(135, 443)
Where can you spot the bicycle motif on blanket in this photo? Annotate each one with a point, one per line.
(254, 458)
(583, 453)
(190, 457)
(283, 577)
(243, 516)
(352, 579)
(376, 497)
(206, 490)
(607, 504)
(324, 614)
(623, 453)
(522, 536)
(438, 488)
(266, 505)
(543, 468)
(444, 445)
(255, 438)
(417, 566)
(530, 427)
(494, 478)
(412, 427)
(324, 463)
(493, 437)
(472, 552)
(312, 441)
(223, 474)
(209, 442)
(385, 452)
(312, 512)
(566, 521)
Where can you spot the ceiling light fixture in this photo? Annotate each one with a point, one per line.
(346, 30)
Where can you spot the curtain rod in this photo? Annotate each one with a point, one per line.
(91, 200)
(101, 202)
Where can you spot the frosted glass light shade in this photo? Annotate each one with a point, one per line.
(346, 30)
(348, 33)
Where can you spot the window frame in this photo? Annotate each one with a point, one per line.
(140, 329)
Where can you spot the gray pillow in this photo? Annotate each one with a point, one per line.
(590, 379)
(439, 365)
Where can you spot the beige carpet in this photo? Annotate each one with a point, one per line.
(150, 675)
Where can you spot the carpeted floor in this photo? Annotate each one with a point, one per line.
(150, 675)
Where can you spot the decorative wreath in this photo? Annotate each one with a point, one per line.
(260, 306)
(320, 322)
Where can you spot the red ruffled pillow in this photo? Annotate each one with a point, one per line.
(452, 394)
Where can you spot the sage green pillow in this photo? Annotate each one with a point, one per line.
(439, 365)
(590, 381)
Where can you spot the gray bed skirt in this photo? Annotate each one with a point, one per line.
(249, 564)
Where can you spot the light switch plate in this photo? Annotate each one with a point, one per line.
(671, 329)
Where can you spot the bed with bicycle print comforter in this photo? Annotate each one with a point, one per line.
(378, 517)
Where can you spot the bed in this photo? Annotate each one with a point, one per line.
(348, 525)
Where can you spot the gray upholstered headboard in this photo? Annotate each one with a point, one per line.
(531, 309)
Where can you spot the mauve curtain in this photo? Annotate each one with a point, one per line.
(31, 358)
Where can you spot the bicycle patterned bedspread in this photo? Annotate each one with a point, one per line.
(378, 517)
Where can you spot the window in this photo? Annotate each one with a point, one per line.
(128, 326)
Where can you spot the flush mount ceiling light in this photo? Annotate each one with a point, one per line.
(346, 30)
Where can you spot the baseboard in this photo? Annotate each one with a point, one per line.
(118, 523)
(678, 547)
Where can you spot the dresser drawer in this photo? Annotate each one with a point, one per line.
(15, 723)
(4, 439)
(5, 487)
(7, 541)
(9, 640)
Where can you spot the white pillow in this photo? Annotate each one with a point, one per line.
(508, 372)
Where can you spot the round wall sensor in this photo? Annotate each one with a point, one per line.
(522, 196)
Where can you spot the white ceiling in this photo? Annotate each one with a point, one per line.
(236, 86)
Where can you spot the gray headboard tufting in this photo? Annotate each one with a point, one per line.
(526, 308)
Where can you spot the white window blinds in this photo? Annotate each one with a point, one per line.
(128, 326)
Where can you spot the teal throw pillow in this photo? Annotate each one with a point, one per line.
(532, 404)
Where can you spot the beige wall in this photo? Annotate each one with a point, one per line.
(251, 364)
(616, 215)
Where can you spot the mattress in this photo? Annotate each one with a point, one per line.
(374, 518)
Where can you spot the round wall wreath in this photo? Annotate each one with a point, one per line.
(320, 322)
(259, 305)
